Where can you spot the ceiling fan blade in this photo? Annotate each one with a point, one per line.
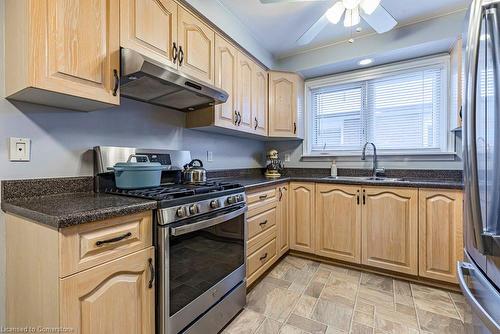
(380, 20)
(286, 1)
(313, 31)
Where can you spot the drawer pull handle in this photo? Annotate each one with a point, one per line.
(263, 197)
(152, 271)
(109, 241)
(263, 257)
(263, 223)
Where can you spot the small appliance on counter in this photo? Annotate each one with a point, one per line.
(275, 165)
(200, 239)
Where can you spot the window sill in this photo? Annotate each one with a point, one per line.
(382, 156)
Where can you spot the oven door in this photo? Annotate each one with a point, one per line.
(203, 260)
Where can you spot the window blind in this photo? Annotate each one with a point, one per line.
(397, 111)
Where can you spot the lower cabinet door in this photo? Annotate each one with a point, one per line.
(338, 222)
(115, 297)
(302, 216)
(390, 229)
(282, 220)
(440, 234)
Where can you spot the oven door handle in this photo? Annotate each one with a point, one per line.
(188, 228)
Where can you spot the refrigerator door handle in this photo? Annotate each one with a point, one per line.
(470, 149)
(476, 307)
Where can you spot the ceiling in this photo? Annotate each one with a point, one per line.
(278, 26)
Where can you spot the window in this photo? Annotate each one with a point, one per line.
(401, 108)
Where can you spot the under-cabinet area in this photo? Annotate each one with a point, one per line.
(409, 231)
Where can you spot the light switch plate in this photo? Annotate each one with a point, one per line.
(20, 149)
(210, 156)
(287, 157)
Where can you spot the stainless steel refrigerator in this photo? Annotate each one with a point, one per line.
(479, 274)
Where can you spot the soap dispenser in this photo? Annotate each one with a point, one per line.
(333, 169)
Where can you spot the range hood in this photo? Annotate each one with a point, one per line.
(147, 80)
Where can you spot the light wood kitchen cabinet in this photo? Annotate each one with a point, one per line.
(440, 233)
(196, 47)
(245, 99)
(54, 63)
(282, 219)
(83, 277)
(302, 214)
(338, 222)
(390, 229)
(260, 100)
(226, 77)
(117, 297)
(286, 105)
(150, 28)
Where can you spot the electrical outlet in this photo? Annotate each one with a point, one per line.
(287, 157)
(210, 156)
(20, 149)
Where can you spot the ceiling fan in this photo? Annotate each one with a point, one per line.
(371, 11)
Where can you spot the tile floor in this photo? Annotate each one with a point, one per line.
(300, 296)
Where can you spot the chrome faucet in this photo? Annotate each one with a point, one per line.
(375, 170)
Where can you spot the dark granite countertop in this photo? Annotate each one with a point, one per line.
(258, 182)
(63, 210)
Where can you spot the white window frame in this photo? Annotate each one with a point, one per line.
(446, 140)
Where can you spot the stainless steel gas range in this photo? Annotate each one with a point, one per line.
(200, 235)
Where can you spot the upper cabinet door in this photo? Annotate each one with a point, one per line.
(302, 216)
(338, 222)
(114, 297)
(283, 104)
(390, 229)
(150, 27)
(196, 47)
(226, 78)
(440, 233)
(72, 52)
(260, 105)
(245, 101)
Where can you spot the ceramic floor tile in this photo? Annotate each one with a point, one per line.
(377, 282)
(406, 318)
(361, 329)
(392, 327)
(307, 325)
(364, 318)
(314, 289)
(365, 307)
(437, 323)
(274, 302)
(332, 330)
(333, 314)
(278, 282)
(269, 326)
(247, 322)
(434, 300)
(340, 287)
(376, 297)
(322, 275)
(288, 329)
(305, 306)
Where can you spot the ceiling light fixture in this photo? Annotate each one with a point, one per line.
(351, 4)
(365, 62)
(335, 13)
(369, 6)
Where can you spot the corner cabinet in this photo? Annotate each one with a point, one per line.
(286, 105)
(338, 222)
(150, 27)
(302, 216)
(390, 229)
(51, 62)
(440, 233)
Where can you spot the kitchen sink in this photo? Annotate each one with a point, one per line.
(365, 178)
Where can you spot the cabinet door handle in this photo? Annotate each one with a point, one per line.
(263, 257)
(152, 272)
(175, 53)
(256, 123)
(281, 194)
(263, 197)
(364, 197)
(294, 128)
(117, 82)
(357, 197)
(263, 223)
(239, 122)
(181, 55)
(112, 240)
(235, 117)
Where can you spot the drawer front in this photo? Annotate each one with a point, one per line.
(260, 223)
(261, 257)
(85, 246)
(261, 197)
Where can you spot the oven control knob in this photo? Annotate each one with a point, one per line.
(241, 198)
(181, 212)
(231, 199)
(193, 209)
(215, 204)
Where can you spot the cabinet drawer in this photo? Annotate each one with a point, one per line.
(85, 246)
(261, 197)
(261, 257)
(260, 223)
